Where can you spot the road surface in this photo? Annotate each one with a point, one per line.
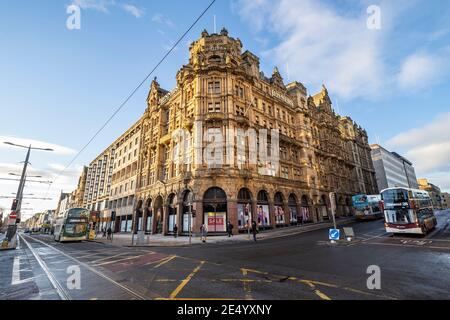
(302, 266)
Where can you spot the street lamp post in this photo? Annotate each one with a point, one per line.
(190, 202)
(12, 228)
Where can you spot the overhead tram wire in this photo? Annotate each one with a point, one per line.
(132, 93)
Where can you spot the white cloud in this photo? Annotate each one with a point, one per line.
(98, 5)
(428, 147)
(324, 44)
(105, 5)
(57, 149)
(162, 19)
(66, 182)
(135, 11)
(434, 132)
(320, 44)
(419, 70)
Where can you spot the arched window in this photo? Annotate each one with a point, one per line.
(172, 212)
(149, 215)
(292, 204)
(158, 215)
(187, 221)
(305, 211)
(262, 210)
(244, 208)
(215, 209)
(279, 211)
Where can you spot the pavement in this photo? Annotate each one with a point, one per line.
(158, 240)
(301, 265)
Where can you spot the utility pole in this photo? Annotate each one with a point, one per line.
(15, 216)
(190, 203)
(12, 227)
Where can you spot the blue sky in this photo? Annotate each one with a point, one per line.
(58, 85)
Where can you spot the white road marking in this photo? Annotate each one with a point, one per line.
(118, 260)
(63, 294)
(15, 280)
(109, 257)
(135, 294)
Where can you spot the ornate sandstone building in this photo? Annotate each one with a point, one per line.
(221, 93)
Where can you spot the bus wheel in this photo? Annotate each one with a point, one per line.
(424, 230)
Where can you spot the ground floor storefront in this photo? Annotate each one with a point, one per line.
(169, 210)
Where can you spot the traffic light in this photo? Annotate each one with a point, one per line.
(14, 205)
(194, 213)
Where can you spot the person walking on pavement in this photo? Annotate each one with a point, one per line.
(104, 232)
(175, 231)
(230, 229)
(254, 230)
(203, 232)
(109, 232)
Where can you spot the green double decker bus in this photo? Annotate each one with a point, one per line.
(72, 226)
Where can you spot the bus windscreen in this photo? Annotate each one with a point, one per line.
(394, 198)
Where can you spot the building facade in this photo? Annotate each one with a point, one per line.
(98, 183)
(434, 192)
(220, 94)
(445, 200)
(357, 141)
(392, 170)
(124, 180)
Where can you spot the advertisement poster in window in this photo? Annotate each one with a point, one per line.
(186, 222)
(305, 214)
(243, 215)
(279, 215)
(172, 221)
(216, 221)
(293, 214)
(262, 215)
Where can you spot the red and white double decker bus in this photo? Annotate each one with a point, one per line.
(407, 211)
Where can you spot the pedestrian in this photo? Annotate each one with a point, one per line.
(175, 230)
(301, 219)
(254, 230)
(104, 232)
(109, 232)
(230, 229)
(203, 232)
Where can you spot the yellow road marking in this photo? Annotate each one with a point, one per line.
(247, 289)
(320, 294)
(253, 270)
(164, 261)
(325, 284)
(185, 281)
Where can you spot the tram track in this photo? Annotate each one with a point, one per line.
(34, 244)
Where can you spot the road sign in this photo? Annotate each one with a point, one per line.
(13, 215)
(334, 234)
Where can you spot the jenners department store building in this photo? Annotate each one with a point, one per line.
(222, 90)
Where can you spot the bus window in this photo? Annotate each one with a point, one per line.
(395, 198)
